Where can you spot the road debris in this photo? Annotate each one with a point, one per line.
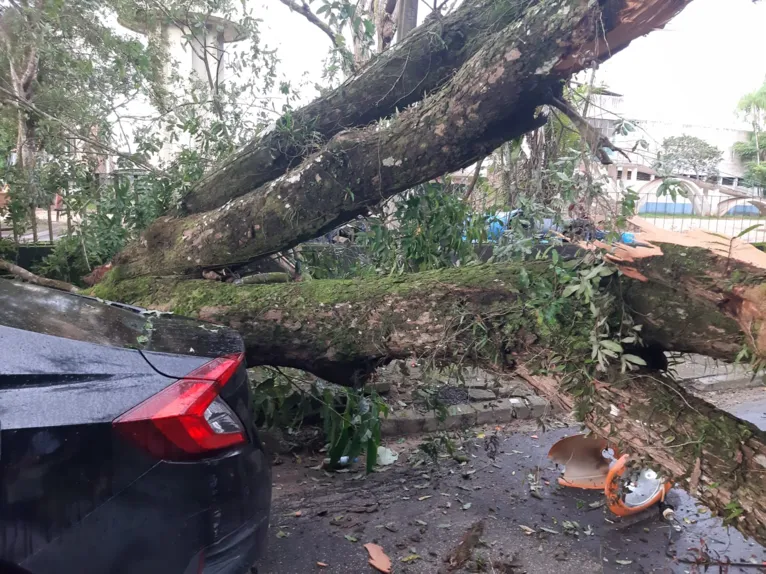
(463, 552)
(386, 456)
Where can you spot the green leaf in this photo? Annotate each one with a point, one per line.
(747, 230)
(570, 289)
(634, 359)
(351, 538)
(142, 339)
(611, 345)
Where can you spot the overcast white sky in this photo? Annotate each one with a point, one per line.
(693, 71)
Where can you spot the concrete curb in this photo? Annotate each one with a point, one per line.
(714, 383)
(410, 421)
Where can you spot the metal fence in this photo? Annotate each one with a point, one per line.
(725, 214)
(49, 224)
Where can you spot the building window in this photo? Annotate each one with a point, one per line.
(727, 181)
(641, 176)
(619, 173)
(629, 176)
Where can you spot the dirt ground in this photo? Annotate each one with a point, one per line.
(419, 516)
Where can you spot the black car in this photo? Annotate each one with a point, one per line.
(127, 442)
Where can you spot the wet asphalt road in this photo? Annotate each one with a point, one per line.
(752, 411)
(425, 512)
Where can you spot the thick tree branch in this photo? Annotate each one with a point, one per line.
(421, 63)
(692, 292)
(303, 8)
(491, 99)
(22, 273)
(680, 289)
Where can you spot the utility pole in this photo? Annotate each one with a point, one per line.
(407, 18)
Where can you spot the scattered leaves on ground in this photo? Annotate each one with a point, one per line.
(378, 559)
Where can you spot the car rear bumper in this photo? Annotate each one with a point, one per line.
(164, 522)
(237, 552)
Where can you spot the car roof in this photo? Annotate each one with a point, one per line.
(60, 314)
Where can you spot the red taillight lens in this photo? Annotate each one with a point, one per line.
(187, 418)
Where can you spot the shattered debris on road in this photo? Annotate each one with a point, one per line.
(474, 513)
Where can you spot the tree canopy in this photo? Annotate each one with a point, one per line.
(686, 154)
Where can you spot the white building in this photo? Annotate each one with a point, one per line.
(609, 111)
(196, 50)
(721, 204)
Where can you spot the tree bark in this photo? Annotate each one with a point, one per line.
(392, 81)
(689, 297)
(492, 98)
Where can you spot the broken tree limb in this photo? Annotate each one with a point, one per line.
(21, 273)
(395, 79)
(492, 98)
(693, 292)
(723, 274)
(418, 65)
(688, 297)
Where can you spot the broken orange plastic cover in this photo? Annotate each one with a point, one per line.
(585, 459)
(630, 491)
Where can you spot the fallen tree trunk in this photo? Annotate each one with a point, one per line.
(419, 64)
(396, 78)
(715, 272)
(688, 297)
(492, 98)
(692, 292)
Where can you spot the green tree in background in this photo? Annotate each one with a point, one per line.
(752, 107)
(689, 154)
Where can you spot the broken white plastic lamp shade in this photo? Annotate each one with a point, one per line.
(386, 456)
(585, 460)
(631, 490)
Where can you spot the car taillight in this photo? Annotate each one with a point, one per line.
(188, 418)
